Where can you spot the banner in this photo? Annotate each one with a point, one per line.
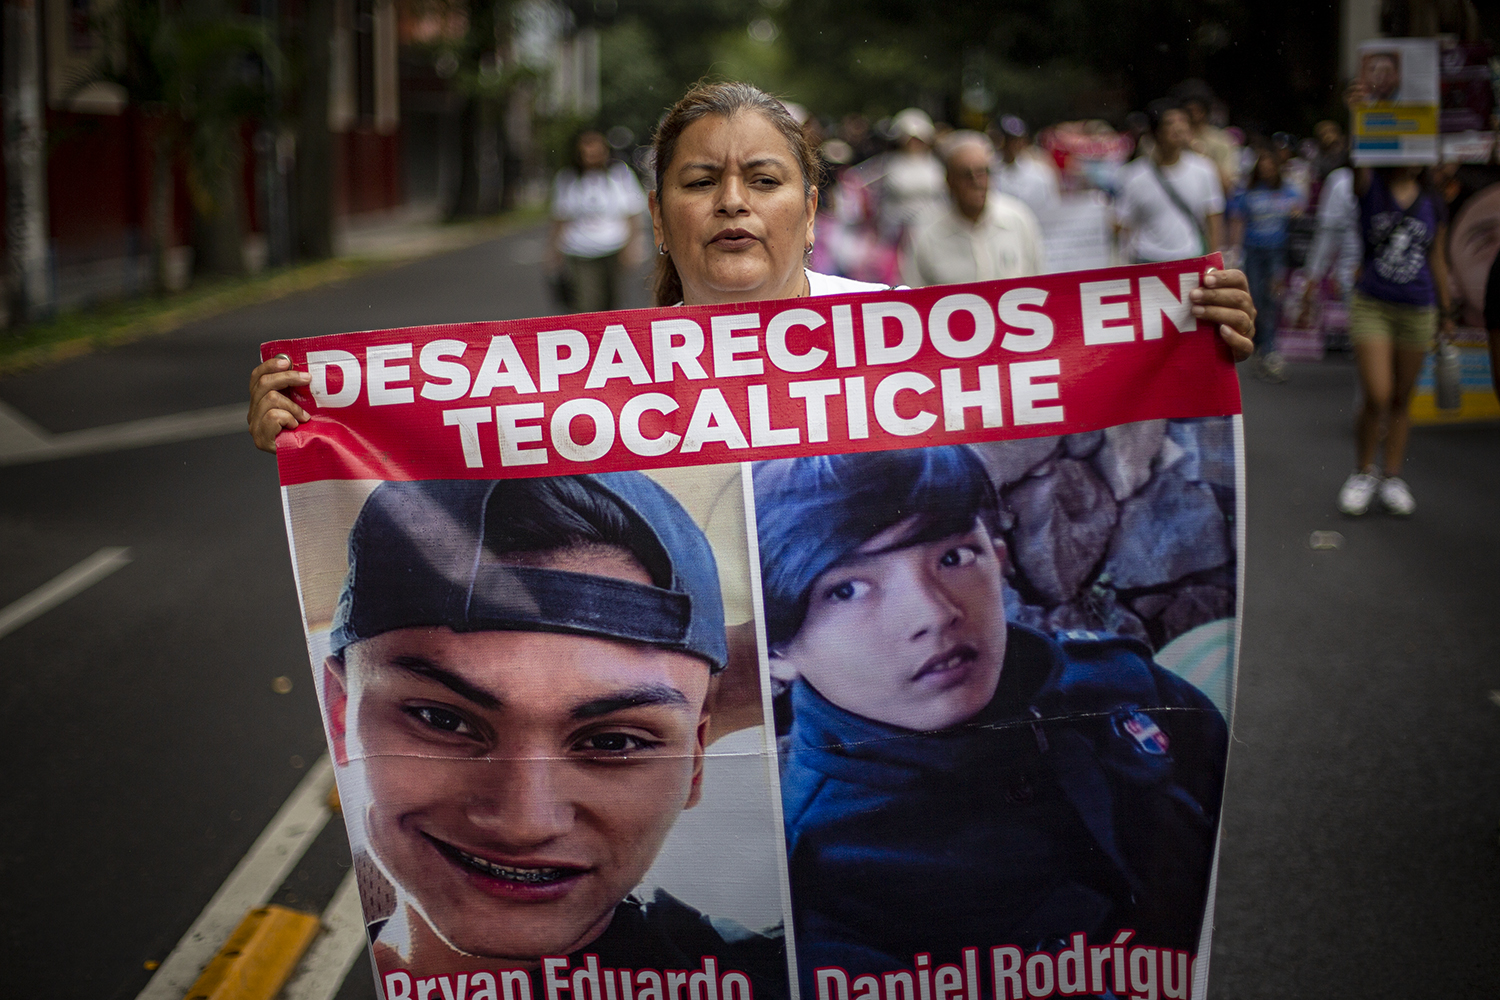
(1398, 123)
(861, 647)
(1473, 242)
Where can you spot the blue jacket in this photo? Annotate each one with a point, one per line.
(1084, 797)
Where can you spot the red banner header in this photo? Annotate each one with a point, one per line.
(652, 388)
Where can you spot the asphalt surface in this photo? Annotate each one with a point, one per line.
(146, 747)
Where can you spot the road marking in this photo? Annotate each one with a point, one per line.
(273, 856)
(49, 595)
(22, 441)
(259, 957)
(328, 961)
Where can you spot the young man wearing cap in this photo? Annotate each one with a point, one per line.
(519, 676)
(952, 781)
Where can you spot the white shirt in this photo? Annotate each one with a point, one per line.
(946, 248)
(833, 284)
(1028, 179)
(913, 183)
(1337, 245)
(1158, 228)
(596, 208)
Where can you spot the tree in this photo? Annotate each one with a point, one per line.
(198, 72)
(25, 166)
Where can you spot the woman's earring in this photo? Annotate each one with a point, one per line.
(807, 250)
(661, 248)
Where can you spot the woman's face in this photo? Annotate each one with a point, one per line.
(732, 212)
(1471, 249)
(593, 152)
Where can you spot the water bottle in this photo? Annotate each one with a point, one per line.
(1445, 377)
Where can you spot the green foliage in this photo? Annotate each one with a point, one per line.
(634, 85)
(1043, 59)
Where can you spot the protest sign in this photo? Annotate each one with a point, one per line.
(863, 647)
(1398, 122)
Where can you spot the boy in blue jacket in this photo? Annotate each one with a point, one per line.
(951, 780)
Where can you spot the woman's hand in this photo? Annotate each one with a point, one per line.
(270, 408)
(1225, 301)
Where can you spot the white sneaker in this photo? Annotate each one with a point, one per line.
(1395, 497)
(1273, 367)
(1359, 489)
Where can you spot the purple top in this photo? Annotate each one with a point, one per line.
(1396, 245)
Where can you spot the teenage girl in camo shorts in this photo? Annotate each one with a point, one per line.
(1400, 302)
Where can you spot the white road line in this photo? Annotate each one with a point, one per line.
(323, 969)
(275, 853)
(18, 432)
(21, 441)
(49, 595)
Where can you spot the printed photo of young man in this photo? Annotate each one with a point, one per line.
(952, 780)
(520, 689)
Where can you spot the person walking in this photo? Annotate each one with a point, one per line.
(1021, 172)
(1399, 303)
(1260, 215)
(982, 236)
(1171, 203)
(596, 223)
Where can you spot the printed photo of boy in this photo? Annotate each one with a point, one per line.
(521, 684)
(951, 779)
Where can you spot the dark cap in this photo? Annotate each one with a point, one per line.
(421, 554)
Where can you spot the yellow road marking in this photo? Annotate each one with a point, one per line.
(259, 956)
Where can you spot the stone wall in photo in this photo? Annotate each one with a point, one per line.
(1127, 530)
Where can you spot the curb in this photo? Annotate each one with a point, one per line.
(418, 243)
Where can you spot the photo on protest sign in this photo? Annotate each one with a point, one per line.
(1397, 123)
(1003, 676)
(543, 701)
(618, 626)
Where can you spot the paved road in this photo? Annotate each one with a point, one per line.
(1359, 849)
(146, 745)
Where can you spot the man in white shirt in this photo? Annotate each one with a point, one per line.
(1021, 171)
(596, 220)
(982, 236)
(1171, 201)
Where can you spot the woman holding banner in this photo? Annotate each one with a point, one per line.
(732, 218)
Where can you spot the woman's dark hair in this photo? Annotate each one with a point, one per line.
(1255, 181)
(812, 513)
(1158, 109)
(724, 100)
(575, 149)
(562, 512)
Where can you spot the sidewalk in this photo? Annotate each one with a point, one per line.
(370, 241)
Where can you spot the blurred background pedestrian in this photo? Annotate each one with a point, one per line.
(596, 223)
(1171, 201)
(1400, 303)
(1259, 216)
(982, 234)
(912, 179)
(1021, 171)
